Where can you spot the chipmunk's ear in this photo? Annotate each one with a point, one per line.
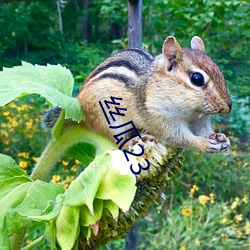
(171, 49)
(197, 43)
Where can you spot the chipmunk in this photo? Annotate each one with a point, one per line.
(170, 96)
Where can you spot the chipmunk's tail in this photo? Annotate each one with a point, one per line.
(50, 117)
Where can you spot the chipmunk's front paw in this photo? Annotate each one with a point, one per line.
(137, 140)
(218, 142)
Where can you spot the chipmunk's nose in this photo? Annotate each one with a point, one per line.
(227, 108)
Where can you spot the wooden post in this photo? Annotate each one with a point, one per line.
(131, 238)
(134, 41)
(134, 23)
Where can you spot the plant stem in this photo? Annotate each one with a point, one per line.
(57, 147)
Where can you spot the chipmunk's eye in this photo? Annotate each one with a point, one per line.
(197, 79)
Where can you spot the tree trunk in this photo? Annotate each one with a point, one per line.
(59, 16)
(135, 23)
(85, 20)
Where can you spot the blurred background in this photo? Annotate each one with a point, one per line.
(207, 206)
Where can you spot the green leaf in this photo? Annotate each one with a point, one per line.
(14, 198)
(20, 197)
(11, 200)
(14, 223)
(86, 218)
(67, 226)
(6, 186)
(53, 82)
(112, 208)
(9, 168)
(39, 194)
(4, 240)
(83, 189)
(118, 188)
(83, 152)
(46, 216)
(26, 202)
(50, 234)
(86, 232)
(106, 178)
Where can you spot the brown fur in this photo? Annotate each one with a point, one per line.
(158, 94)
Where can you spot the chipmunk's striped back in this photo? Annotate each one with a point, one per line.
(124, 66)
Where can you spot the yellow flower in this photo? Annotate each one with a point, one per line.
(29, 124)
(224, 164)
(235, 203)
(19, 108)
(245, 199)
(24, 107)
(35, 159)
(183, 248)
(6, 113)
(70, 178)
(77, 162)
(73, 168)
(211, 195)
(23, 164)
(197, 242)
(24, 154)
(234, 152)
(203, 199)
(65, 163)
(6, 141)
(187, 211)
(238, 218)
(65, 185)
(4, 134)
(223, 220)
(6, 149)
(247, 227)
(55, 178)
(12, 105)
(14, 123)
(193, 190)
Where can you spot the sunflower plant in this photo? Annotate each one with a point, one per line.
(102, 202)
